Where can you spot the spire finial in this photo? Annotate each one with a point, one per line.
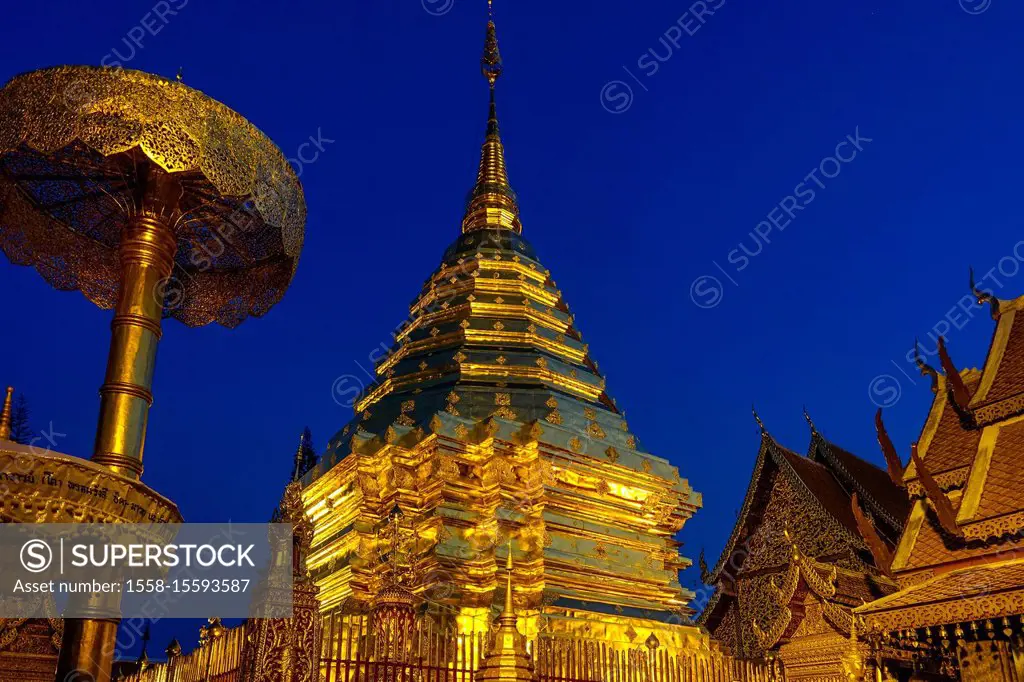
(5, 415)
(492, 203)
(305, 455)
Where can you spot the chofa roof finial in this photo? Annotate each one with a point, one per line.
(925, 369)
(985, 297)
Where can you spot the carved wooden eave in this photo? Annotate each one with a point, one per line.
(971, 593)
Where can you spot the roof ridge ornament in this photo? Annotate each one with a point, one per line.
(957, 388)
(757, 418)
(876, 545)
(892, 458)
(940, 503)
(814, 430)
(925, 369)
(985, 296)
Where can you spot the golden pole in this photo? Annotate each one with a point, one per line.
(147, 257)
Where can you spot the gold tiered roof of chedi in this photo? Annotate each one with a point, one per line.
(489, 418)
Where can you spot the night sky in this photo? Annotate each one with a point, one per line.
(674, 172)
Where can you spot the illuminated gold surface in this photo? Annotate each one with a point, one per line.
(87, 652)
(76, 132)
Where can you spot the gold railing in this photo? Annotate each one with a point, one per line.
(219, 660)
(427, 649)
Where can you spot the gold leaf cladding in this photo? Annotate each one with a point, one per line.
(366, 415)
(542, 363)
(460, 357)
(602, 487)
(461, 431)
(499, 300)
(554, 417)
(552, 402)
(435, 331)
(532, 328)
(498, 325)
(624, 426)
(595, 431)
(589, 413)
(464, 324)
(408, 406)
(471, 298)
(423, 365)
(505, 413)
(228, 163)
(612, 454)
(575, 444)
(449, 470)
(631, 442)
(501, 360)
(646, 466)
(445, 305)
(502, 399)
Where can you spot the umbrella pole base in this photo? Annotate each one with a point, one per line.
(87, 650)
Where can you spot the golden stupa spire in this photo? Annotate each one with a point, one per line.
(508, 659)
(509, 609)
(5, 415)
(492, 203)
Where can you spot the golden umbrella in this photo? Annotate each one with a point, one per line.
(154, 200)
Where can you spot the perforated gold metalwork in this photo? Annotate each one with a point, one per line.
(72, 140)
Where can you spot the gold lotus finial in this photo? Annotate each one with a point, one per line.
(179, 74)
(5, 415)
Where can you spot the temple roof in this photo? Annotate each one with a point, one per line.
(874, 487)
(986, 591)
(944, 444)
(828, 476)
(1001, 391)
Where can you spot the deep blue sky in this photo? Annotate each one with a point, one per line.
(627, 210)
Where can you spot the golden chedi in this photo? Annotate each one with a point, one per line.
(490, 419)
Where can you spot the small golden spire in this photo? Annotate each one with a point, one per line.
(5, 416)
(492, 203)
(508, 569)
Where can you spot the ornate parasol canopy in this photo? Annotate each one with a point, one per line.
(77, 146)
